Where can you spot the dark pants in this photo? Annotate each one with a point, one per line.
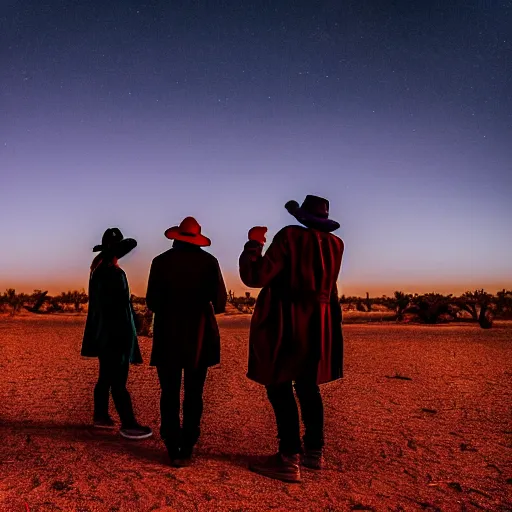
(113, 376)
(287, 415)
(175, 436)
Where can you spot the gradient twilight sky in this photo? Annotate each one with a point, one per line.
(137, 114)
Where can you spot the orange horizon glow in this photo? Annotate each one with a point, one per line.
(345, 286)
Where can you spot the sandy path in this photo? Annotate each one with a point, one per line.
(441, 441)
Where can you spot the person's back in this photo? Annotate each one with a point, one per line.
(110, 334)
(296, 337)
(299, 271)
(110, 314)
(314, 262)
(185, 291)
(186, 275)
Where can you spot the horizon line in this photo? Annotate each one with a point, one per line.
(240, 290)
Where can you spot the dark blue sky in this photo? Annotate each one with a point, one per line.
(137, 114)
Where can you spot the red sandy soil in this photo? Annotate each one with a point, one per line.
(440, 441)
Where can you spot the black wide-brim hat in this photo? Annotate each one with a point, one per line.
(313, 213)
(114, 243)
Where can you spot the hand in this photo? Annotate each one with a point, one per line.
(257, 234)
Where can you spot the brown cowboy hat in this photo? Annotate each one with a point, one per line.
(188, 231)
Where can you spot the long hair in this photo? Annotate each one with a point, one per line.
(103, 257)
(96, 262)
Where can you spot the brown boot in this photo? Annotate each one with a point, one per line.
(313, 459)
(279, 466)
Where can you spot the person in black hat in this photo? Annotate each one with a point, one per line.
(185, 291)
(295, 337)
(110, 334)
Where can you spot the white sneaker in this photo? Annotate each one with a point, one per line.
(136, 432)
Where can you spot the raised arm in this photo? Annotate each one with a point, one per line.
(257, 269)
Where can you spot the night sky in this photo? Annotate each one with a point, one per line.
(137, 114)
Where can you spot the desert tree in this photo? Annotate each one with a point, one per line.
(75, 297)
(352, 301)
(368, 302)
(55, 305)
(431, 307)
(503, 303)
(398, 303)
(14, 300)
(479, 305)
(401, 303)
(244, 304)
(143, 321)
(37, 299)
(360, 305)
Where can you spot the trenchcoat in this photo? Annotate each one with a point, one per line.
(296, 326)
(185, 291)
(110, 326)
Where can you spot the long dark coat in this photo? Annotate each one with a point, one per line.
(185, 291)
(110, 326)
(296, 325)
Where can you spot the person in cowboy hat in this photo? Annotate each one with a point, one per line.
(185, 291)
(295, 334)
(110, 334)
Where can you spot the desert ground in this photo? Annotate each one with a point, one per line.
(421, 421)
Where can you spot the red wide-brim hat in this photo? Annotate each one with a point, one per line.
(188, 231)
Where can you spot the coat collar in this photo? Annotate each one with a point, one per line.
(185, 246)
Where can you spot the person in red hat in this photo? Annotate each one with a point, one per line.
(295, 337)
(185, 291)
(110, 334)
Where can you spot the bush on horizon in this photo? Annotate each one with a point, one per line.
(429, 308)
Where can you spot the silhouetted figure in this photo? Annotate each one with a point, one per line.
(110, 334)
(295, 332)
(185, 291)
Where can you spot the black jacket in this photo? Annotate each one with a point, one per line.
(110, 327)
(185, 291)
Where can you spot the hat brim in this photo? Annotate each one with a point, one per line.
(119, 249)
(311, 221)
(174, 233)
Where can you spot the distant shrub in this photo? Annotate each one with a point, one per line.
(429, 308)
(14, 301)
(76, 298)
(398, 303)
(143, 321)
(243, 304)
(37, 301)
(432, 308)
(503, 304)
(479, 304)
(138, 300)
